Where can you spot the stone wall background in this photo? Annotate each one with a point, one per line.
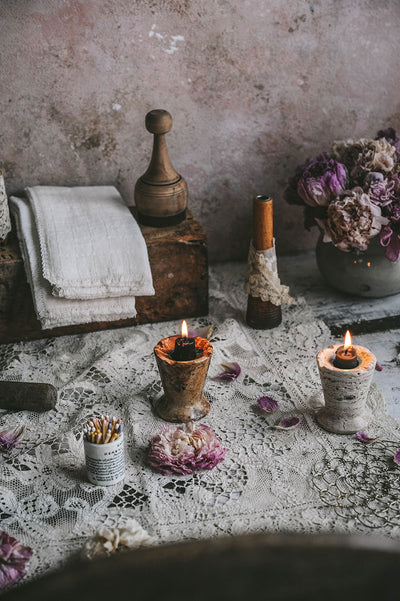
(254, 87)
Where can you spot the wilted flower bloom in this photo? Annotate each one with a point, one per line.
(185, 450)
(318, 181)
(13, 559)
(232, 371)
(108, 540)
(390, 135)
(352, 220)
(10, 438)
(382, 189)
(364, 155)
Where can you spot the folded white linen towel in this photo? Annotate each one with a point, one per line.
(52, 311)
(90, 243)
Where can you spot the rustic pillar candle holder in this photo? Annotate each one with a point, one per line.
(182, 381)
(345, 391)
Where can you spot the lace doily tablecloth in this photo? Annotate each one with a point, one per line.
(305, 480)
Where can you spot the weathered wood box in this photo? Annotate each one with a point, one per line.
(179, 263)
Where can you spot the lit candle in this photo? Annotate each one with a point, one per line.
(346, 355)
(346, 373)
(185, 348)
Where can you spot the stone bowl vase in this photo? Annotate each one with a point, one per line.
(362, 273)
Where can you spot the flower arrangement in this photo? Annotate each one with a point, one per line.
(353, 193)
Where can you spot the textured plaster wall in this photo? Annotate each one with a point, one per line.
(254, 87)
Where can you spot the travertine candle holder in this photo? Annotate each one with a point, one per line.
(182, 381)
(345, 391)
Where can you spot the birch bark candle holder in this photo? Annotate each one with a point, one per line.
(345, 391)
(182, 381)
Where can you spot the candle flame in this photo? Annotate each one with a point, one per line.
(347, 340)
(184, 328)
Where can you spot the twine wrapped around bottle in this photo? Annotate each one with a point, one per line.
(5, 224)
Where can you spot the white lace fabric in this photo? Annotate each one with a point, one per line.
(262, 280)
(265, 482)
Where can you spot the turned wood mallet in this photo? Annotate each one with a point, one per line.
(262, 315)
(27, 396)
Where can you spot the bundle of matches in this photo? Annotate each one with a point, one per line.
(102, 430)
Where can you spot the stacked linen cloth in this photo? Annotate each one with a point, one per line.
(84, 254)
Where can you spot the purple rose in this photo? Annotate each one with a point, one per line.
(382, 189)
(322, 180)
(317, 182)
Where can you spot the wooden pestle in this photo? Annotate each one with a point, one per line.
(28, 396)
(161, 194)
(262, 315)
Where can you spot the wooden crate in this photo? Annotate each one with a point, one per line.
(179, 263)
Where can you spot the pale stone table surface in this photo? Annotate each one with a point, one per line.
(374, 323)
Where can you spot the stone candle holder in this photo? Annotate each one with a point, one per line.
(345, 391)
(182, 381)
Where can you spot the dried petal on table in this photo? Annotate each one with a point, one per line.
(288, 423)
(13, 559)
(203, 332)
(363, 437)
(185, 449)
(231, 373)
(10, 438)
(268, 404)
(378, 366)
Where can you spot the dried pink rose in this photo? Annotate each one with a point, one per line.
(10, 438)
(362, 436)
(232, 371)
(13, 559)
(352, 220)
(396, 457)
(185, 449)
(268, 404)
(288, 423)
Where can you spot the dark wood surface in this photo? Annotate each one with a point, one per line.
(275, 567)
(179, 263)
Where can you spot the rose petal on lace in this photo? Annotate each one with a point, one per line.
(288, 423)
(202, 332)
(268, 404)
(13, 559)
(232, 371)
(363, 437)
(10, 438)
(396, 457)
(185, 450)
(378, 366)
